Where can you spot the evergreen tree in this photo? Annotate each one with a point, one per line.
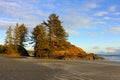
(9, 41)
(9, 37)
(15, 38)
(55, 29)
(49, 36)
(40, 39)
(22, 34)
(16, 35)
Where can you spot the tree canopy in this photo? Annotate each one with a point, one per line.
(48, 34)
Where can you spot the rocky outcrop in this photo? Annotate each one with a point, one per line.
(22, 51)
(66, 51)
(75, 53)
(91, 56)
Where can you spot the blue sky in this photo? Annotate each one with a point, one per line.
(93, 25)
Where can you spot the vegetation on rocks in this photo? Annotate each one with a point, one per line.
(14, 42)
(49, 39)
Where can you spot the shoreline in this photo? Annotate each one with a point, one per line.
(35, 58)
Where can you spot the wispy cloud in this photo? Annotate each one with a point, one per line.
(4, 24)
(96, 33)
(96, 48)
(101, 13)
(115, 29)
(111, 18)
(106, 18)
(110, 50)
(112, 8)
(22, 11)
(78, 21)
(92, 34)
(75, 23)
(90, 6)
(72, 32)
(117, 13)
(99, 22)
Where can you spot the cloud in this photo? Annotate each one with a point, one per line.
(106, 50)
(112, 8)
(4, 24)
(90, 6)
(110, 50)
(117, 13)
(115, 29)
(111, 18)
(101, 13)
(96, 33)
(92, 33)
(78, 21)
(99, 22)
(21, 10)
(73, 24)
(72, 32)
(50, 6)
(96, 47)
(107, 18)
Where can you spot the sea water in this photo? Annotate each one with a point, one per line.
(114, 58)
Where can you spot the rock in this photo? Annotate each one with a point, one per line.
(22, 51)
(92, 56)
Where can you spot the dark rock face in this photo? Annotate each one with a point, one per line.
(22, 51)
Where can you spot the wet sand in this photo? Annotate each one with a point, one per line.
(47, 69)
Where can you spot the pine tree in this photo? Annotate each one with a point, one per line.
(22, 34)
(9, 37)
(15, 38)
(40, 39)
(16, 35)
(48, 36)
(9, 41)
(55, 29)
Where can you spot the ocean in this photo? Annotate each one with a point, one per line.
(113, 58)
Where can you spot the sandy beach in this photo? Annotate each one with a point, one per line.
(48, 69)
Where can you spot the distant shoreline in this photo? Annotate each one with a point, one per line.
(112, 58)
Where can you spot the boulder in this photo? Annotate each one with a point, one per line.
(22, 51)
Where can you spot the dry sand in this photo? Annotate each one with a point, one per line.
(47, 69)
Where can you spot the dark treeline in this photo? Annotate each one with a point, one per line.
(49, 39)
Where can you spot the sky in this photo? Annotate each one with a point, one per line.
(93, 25)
